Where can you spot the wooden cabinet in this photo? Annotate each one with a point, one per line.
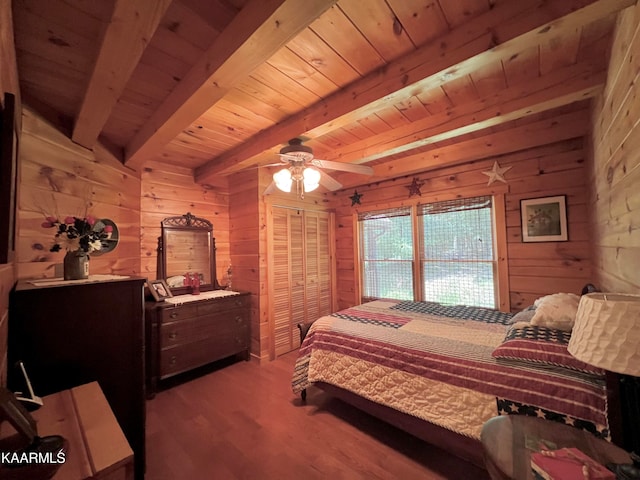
(181, 337)
(75, 332)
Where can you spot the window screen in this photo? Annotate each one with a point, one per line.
(387, 254)
(457, 252)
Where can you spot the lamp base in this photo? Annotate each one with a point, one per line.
(626, 471)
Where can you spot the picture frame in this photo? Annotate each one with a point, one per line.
(159, 290)
(544, 219)
(8, 178)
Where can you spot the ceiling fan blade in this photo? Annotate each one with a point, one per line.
(279, 164)
(329, 182)
(343, 167)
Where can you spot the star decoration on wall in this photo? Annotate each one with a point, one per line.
(414, 188)
(355, 198)
(496, 174)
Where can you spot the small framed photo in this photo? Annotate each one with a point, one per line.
(159, 290)
(544, 219)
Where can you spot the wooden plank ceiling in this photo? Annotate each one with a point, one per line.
(221, 85)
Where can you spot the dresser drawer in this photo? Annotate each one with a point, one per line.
(178, 313)
(222, 304)
(198, 328)
(181, 358)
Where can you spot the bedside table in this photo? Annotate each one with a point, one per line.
(507, 457)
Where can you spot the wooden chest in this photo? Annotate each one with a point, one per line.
(97, 448)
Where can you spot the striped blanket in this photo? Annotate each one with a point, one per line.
(440, 369)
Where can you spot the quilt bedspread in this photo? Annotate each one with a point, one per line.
(440, 369)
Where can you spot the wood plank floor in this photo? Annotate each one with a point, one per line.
(243, 422)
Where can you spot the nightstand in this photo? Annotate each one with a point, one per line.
(507, 457)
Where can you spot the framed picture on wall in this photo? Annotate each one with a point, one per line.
(544, 219)
(8, 178)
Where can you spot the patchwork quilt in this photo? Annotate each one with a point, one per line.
(435, 363)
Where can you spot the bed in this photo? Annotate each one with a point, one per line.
(440, 372)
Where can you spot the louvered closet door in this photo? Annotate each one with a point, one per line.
(318, 269)
(301, 280)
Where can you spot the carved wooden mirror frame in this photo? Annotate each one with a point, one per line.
(186, 223)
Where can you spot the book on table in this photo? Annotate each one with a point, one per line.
(568, 464)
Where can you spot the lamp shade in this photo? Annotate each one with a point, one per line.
(283, 180)
(311, 179)
(606, 332)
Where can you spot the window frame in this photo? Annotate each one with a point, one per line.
(500, 263)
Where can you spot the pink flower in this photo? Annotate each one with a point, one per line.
(47, 224)
(108, 229)
(69, 220)
(51, 220)
(90, 220)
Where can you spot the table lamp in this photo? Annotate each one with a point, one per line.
(606, 334)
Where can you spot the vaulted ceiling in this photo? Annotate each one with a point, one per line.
(221, 85)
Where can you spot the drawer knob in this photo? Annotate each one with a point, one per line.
(238, 302)
(173, 336)
(238, 319)
(173, 314)
(173, 360)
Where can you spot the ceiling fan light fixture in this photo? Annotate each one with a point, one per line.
(283, 180)
(311, 179)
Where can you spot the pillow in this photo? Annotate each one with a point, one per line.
(177, 281)
(556, 311)
(523, 316)
(542, 345)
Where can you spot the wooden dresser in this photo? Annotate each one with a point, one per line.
(75, 332)
(195, 332)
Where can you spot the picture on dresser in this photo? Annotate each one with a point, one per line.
(159, 290)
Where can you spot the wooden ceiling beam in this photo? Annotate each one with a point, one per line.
(500, 33)
(562, 87)
(132, 24)
(564, 127)
(254, 35)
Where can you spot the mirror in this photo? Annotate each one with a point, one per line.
(108, 244)
(186, 244)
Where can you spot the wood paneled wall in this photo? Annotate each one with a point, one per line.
(168, 191)
(535, 269)
(615, 165)
(248, 252)
(8, 83)
(61, 178)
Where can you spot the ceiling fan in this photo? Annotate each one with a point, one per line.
(301, 168)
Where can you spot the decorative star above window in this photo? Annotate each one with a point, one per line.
(355, 198)
(414, 188)
(496, 174)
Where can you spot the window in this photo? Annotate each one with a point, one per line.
(387, 248)
(457, 260)
(455, 254)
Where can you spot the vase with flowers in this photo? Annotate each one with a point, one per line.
(79, 237)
